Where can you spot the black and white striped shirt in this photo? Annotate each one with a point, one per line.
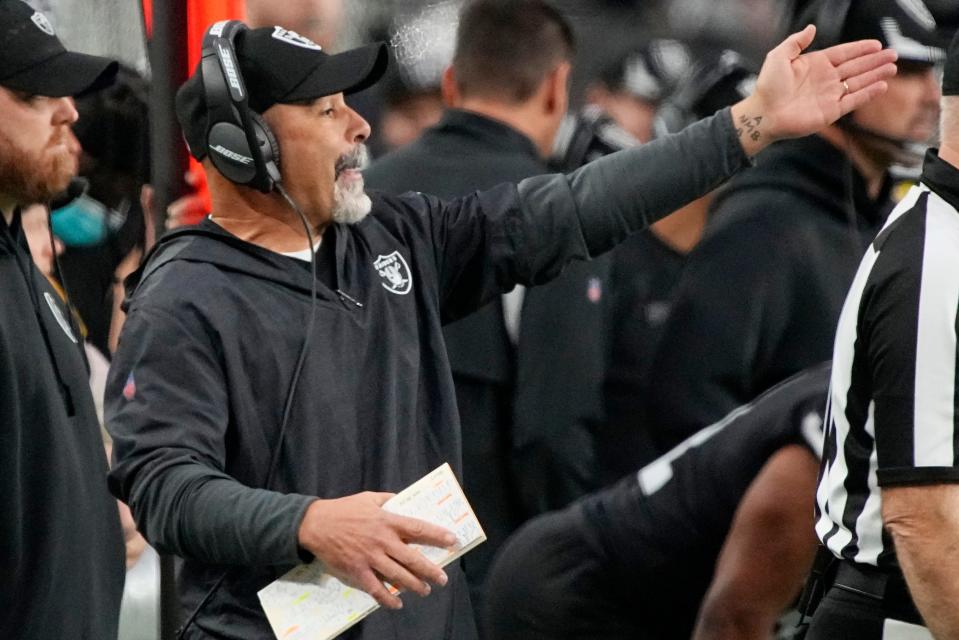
(892, 418)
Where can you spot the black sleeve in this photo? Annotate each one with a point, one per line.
(486, 243)
(166, 408)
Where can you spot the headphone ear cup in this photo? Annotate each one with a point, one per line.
(269, 148)
(230, 152)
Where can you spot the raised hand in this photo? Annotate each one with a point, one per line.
(798, 93)
(363, 545)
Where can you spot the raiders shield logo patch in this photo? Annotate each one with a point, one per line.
(395, 273)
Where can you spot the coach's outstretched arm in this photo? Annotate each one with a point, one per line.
(527, 233)
(796, 94)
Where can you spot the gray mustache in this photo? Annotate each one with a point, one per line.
(357, 158)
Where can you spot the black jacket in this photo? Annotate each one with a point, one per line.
(61, 549)
(760, 296)
(198, 383)
(551, 378)
(464, 153)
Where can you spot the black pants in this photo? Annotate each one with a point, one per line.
(551, 581)
(849, 616)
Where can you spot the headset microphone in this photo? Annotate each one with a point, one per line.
(905, 152)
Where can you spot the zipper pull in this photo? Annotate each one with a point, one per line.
(344, 296)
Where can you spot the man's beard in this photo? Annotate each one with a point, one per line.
(350, 202)
(34, 179)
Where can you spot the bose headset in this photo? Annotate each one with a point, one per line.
(240, 144)
(244, 150)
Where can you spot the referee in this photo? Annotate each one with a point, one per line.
(888, 495)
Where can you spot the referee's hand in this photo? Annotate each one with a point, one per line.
(363, 546)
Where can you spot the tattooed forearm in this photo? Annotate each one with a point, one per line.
(749, 126)
(755, 127)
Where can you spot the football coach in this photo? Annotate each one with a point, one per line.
(282, 367)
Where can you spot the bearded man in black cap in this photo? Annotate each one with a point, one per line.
(256, 407)
(888, 495)
(760, 294)
(61, 548)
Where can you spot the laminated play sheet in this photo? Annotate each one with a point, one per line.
(309, 604)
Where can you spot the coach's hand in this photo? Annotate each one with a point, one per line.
(799, 94)
(363, 545)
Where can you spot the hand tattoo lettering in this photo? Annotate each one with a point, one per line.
(749, 126)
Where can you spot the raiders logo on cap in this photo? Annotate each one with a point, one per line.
(292, 37)
(42, 23)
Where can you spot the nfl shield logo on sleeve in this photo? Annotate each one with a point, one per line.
(130, 387)
(395, 273)
(594, 290)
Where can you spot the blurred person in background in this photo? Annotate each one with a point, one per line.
(408, 110)
(631, 89)
(105, 226)
(526, 367)
(646, 270)
(422, 46)
(61, 546)
(318, 20)
(712, 540)
(759, 297)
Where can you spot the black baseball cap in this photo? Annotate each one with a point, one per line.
(34, 60)
(280, 66)
(950, 74)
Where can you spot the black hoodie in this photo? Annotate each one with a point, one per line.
(215, 325)
(61, 549)
(760, 296)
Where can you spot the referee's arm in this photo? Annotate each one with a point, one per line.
(916, 439)
(767, 553)
(924, 523)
